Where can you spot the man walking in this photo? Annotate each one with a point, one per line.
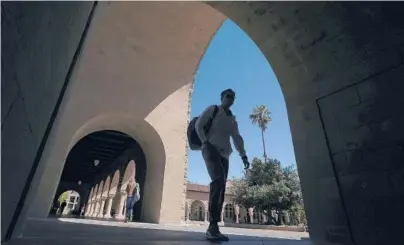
(214, 128)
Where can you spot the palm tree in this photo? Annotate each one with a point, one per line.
(261, 117)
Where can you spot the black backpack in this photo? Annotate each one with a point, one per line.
(193, 139)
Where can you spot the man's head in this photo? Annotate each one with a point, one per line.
(227, 98)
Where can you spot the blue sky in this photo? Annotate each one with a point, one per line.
(233, 60)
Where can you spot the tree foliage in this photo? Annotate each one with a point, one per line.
(261, 116)
(63, 197)
(268, 186)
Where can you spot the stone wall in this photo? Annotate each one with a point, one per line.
(39, 41)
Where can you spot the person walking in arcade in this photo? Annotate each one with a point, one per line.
(133, 192)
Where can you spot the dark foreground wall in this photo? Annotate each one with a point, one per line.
(39, 40)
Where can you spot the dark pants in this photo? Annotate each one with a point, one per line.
(218, 168)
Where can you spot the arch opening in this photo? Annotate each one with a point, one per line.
(229, 214)
(67, 203)
(235, 59)
(93, 167)
(197, 211)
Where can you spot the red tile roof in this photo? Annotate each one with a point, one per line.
(196, 187)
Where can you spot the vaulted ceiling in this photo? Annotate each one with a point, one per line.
(104, 146)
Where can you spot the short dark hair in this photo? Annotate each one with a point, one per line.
(229, 90)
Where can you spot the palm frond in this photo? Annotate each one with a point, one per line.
(261, 116)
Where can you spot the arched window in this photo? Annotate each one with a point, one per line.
(229, 211)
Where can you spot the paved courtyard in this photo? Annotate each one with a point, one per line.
(88, 232)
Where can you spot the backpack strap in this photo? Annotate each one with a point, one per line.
(209, 124)
(231, 113)
(214, 112)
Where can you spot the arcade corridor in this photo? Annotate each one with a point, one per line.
(99, 167)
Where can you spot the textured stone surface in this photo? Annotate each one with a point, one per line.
(339, 65)
(366, 146)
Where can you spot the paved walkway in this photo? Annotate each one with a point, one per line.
(89, 232)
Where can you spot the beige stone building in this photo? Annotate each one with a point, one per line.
(113, 205)
(197, 207)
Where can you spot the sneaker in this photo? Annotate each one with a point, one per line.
(213, 233)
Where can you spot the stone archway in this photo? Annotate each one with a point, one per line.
(336, 75)
(197, 211)
(152, 196)
(82, 190)
(73, 201)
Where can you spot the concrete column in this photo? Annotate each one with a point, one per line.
(119, 206)
(88, 208)
(237, 213)
(222, 215)
(188, 207)
(206, 215)
(264, 217)
(90, 213)
(93, 208)
(96, 208)
(102, 205)
(251, 214)
(107, 214)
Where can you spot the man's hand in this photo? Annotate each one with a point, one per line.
(246, 162)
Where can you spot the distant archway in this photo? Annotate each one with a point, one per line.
(228, 213)
(197, 211)
(67, 204)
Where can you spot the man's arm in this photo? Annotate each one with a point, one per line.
(202, 121)
(237, 139)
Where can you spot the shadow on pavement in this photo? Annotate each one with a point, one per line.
(52, 231)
